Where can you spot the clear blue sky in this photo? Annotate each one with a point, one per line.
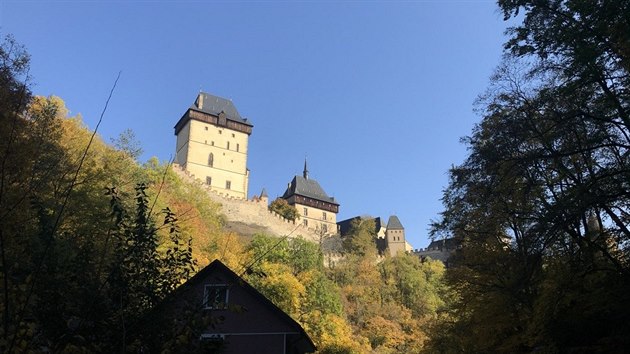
(377, 94)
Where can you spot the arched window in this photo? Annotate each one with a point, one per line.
(210, 159)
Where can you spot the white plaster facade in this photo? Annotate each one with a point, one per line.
(213, 148)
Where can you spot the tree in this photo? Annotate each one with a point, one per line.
(59, 266)
(282, 208)
(127, 143)
(542, 198)
(361, 239)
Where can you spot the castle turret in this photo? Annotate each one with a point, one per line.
(395, 236)
(264, 197)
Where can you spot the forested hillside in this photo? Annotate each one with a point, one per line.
(91, 241)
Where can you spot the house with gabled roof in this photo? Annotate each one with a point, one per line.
(217, 311)
(317, 210)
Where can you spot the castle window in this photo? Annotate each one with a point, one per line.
(211, 159)
(228, 145)
(305, 222)
(305, 212)
(215, 297)
(324, 215)
(228, 185)
(209, 180)
(220, 132)
(237, 147)
(324, 228)
(206, 128)
(205, 142)
(232, 134)
(212, 143)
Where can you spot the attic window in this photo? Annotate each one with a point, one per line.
(215, 296)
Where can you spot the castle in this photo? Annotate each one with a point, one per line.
(315, 207)
(390, 237)
(211, 148)
(212, 144)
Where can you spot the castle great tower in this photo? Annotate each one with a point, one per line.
(212, 142)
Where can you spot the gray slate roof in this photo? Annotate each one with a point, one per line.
(394, 224)
(214, 105)
(307, 188)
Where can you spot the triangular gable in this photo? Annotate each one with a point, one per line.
(258, 315)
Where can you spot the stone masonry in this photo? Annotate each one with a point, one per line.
(252, 212)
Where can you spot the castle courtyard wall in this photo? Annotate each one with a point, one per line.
(252, 211)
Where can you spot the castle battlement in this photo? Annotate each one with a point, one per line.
(251, 211)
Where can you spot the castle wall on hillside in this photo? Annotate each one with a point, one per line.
(252, 211)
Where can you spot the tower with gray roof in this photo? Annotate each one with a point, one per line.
(395, 236)
(212, 143)
(317, 210)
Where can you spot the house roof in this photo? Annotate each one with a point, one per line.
(218, 266)
(308, 188)
(214, 105)
(394, 223)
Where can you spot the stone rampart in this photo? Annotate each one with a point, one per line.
(252, 211)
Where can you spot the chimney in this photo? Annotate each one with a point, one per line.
(200, 101)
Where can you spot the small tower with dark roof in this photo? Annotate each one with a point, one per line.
(317, 210)
(395, 236)
(264, 197)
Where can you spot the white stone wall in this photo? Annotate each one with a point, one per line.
(315, 218)
(229, 150)
(253, 212)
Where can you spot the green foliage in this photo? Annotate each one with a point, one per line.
(290, 273)
(361, 238)
(300, 255)
(541, 203)
(282, 207)
(141, 276)
(77, 272)
(417, 285)
(82, 272)
(127, 143)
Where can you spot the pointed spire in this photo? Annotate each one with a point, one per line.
(305, 173)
